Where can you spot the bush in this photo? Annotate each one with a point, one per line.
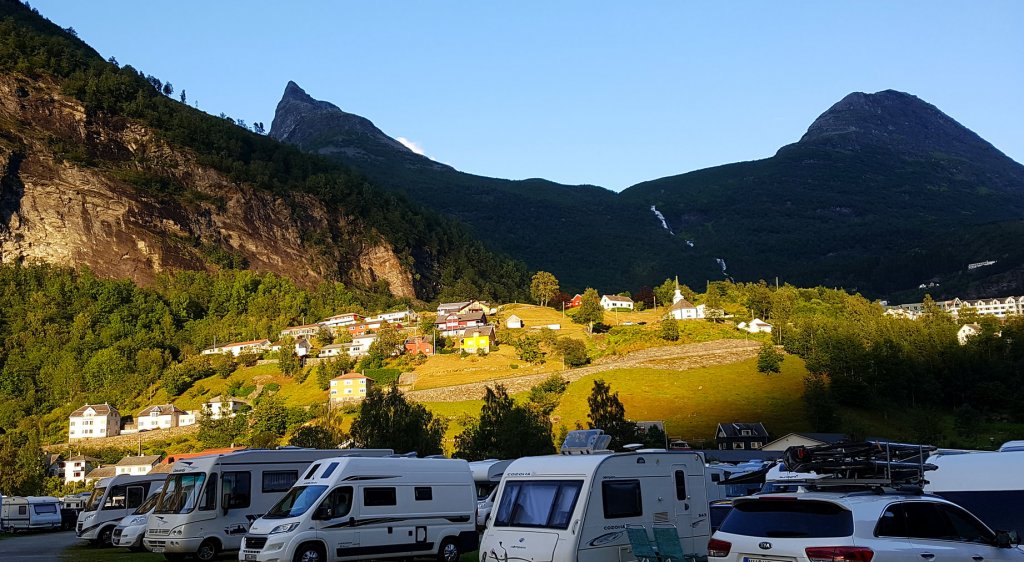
(573, 351)
(384, 376)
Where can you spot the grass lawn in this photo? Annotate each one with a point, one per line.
(451, 369)
(91, 554)
(694, 401)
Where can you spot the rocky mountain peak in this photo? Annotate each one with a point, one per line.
(891, 120)
(323, 128)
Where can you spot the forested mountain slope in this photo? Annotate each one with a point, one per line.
(585, 235)
(884, 192)
(100, 167)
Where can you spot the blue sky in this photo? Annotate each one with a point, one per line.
(606, 93)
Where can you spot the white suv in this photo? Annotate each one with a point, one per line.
(863, 526)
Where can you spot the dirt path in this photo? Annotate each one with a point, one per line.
(675, 357)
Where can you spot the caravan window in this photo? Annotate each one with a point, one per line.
(238, 485)
(41, 508)
(547, 504)
(424, 493)
(681, 484)
(622, 499)
(135, 495)
(279, 480)
(373, 497)
(180, 493)
(339, 501)
(22, 510)
(209, 502)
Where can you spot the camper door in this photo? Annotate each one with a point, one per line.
(691, 505)
(336, 525)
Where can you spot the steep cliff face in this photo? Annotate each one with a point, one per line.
(57, 205)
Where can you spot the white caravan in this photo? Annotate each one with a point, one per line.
(30, 513)
(575, 507)
(362, 508)
(132, 528)
(989, 484)
(111, 500)
(208, 503)
(486, 475)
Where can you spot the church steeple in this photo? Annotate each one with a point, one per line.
(678, 296)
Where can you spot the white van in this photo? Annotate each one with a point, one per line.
(208, 503)
(487, 476)
(360, 509)
(990, 484)
(111, 500)
(132, 528)
(575, 506)
(31, 513)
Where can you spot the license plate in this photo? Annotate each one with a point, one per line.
(157, 549)
(250, 557)
(749, 559)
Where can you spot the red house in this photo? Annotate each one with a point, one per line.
(419, 344)
(576, 301)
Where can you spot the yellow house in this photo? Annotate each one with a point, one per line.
(475, 339)
(350, 387)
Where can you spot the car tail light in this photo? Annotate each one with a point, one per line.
(719, 548)
(839, 554)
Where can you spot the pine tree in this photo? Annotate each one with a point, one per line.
(769, 360)
(505, 430)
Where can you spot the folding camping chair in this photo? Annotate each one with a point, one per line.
(667, 539)
(641, 545)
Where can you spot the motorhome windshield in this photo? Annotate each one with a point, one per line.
(93, 503)
(541, 504)
(297, 501)
(181, 493)
(147, 505)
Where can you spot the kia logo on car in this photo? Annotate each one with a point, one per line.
(765, 545)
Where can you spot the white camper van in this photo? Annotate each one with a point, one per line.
(111, 500)
(29, 513)
(487, 476)
(575, 507)
(990, 484)
(208, 503)
(132, 528)
(362, 508)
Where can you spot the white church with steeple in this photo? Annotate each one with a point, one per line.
(682, 309)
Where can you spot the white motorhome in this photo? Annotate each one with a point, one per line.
(132, 528)
(575, 507)
(208, 503)
(990, 484)
(31, 513)
(364, 508)
(111, 500)
(487, 476)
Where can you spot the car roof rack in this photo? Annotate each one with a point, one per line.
(850, 466)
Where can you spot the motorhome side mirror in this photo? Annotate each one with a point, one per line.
(323, 513)
(351, 521)
(1005, 539)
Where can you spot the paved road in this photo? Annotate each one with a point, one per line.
(36, 547)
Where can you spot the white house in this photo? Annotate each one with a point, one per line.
(342, 319)
(238, 348)
(305, 330)
(136, 466)
(514, 322)
(610, 302)
(77, 467)
(756, 326)
(219, 407)
(302, 346)
(359, 346)
(164, 416)
(392, 317)
(332, 350)
(94, 420)
(966, 332)
(350, 387)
